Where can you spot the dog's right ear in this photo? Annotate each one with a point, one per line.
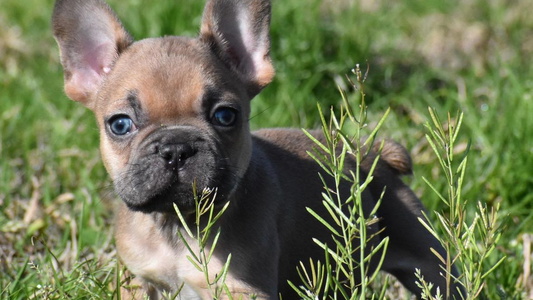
(90, 39)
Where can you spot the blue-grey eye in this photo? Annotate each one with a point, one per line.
(225, 116)
(121, 125)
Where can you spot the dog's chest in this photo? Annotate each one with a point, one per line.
(165, 264)
(148, 255)
(156, 263)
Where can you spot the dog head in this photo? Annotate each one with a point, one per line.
(172, 111)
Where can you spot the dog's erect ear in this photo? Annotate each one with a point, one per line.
(90, 38)
(238, 32)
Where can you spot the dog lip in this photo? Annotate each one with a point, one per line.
(158, 202)
(149, 207)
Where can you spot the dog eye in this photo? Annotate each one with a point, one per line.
(225, 116)
(121, 125)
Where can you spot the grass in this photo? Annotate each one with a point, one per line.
(471, 56)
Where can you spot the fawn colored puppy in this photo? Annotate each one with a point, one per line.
(174, 112)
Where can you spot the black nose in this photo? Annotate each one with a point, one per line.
(176, 155)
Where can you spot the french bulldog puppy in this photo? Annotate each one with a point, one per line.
(174, 112)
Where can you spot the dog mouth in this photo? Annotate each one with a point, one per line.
(163, 202)
(173, 170)
(169, 200)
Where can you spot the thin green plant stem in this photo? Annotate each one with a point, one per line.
(343, 139)
(473, 239)
(205, 218)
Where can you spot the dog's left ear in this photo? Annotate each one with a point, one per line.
(238, 32)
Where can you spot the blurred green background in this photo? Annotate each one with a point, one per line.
(473, 56)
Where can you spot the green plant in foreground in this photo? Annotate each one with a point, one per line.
(200, 254)
(474, 239)
(346, 272)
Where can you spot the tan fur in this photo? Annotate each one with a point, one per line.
(174, 112)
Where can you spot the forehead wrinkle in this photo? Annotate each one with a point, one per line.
(210, 97)
(133, 100)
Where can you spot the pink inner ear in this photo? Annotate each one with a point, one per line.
(82, 84)
(87, 75)
(247, 46)
(99, 57)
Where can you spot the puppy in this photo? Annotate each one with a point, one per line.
(174, 112)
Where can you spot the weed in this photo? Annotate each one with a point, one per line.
(472, 239)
